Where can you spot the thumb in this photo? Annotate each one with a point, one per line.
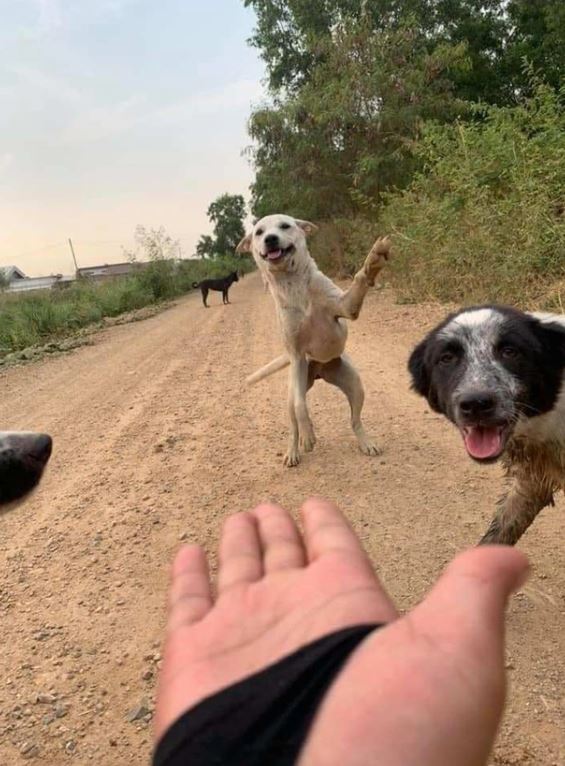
(469, 600)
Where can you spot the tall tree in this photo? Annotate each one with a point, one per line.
(227, 213)
(498, 34)
(153, 245)
(345, 136)
(205, 246)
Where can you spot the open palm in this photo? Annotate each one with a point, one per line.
(427, 689)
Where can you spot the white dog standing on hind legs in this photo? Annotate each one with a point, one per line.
(311, 311)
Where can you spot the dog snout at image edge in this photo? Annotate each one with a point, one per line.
(311, 312)
(498, 374)
(23, 458)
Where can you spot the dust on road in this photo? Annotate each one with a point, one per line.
(156, 440)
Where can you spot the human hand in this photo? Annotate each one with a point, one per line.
(428, 689)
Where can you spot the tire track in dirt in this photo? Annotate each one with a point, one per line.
(157, 438)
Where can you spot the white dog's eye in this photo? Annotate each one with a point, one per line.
(285, 226)
(258, 232)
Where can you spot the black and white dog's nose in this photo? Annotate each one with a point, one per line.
(272, 241)
(23, 457)
(40, 447)
(477, 404)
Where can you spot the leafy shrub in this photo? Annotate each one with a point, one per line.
(484, 220)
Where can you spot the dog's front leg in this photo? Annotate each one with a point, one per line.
(352, 300)
(302, 432)
(516, 511)
(292, 456)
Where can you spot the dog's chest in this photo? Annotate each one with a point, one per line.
(544, 461)
(314, 332)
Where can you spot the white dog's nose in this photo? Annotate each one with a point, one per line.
(272, 240)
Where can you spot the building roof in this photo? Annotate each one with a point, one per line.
(110, 269)
(12, 272)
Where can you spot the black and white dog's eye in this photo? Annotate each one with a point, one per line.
(448, 357)
(258, 232)
(285, 226)
(508, 352)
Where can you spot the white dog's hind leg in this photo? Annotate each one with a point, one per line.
(299, 387)
(341, 373)
(305, 427)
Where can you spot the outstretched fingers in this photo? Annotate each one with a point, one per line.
(240, 555)
(190, 595)
(326, 530)
(327, 533)
(280, 539)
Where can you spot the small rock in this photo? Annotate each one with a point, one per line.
(138, 713)
(45, 699)
(49, 718)
(29, 750)
(147, 675)
(70, 746)
(61, 711)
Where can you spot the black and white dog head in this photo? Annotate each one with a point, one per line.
(488, 369)
(23, 456)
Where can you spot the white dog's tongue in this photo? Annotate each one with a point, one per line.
(482, 442)
(272, 255)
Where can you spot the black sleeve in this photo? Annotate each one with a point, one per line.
(265, 718)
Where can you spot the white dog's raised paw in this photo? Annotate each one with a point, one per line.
(377, 258)
(292, 458)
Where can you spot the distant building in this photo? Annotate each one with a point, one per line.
(110, 270)
(18, 282)
(11, 273)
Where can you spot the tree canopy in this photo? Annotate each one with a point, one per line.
(227, 214)
(352, 82)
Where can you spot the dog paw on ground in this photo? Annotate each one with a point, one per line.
(292, 458)
(377, 258)
(368, 448)
(307, 441)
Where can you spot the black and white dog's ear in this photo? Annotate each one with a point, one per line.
(551, 360)
(418, 369)
(551, 334)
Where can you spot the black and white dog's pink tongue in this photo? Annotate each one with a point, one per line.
(482, 443)
(274, 254)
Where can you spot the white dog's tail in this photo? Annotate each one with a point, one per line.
(269, 369)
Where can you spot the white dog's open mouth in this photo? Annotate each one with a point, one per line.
(485, 442)
(276, 255)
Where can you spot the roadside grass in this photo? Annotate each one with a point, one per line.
(40, 317)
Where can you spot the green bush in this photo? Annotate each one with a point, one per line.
(39, 317)
(484, 220)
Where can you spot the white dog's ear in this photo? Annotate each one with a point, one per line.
(245, 244)
(307, 227)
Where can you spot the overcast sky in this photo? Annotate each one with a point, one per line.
(114, 113)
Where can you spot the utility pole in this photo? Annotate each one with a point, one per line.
(73, 254)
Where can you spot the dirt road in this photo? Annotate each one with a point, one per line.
(156, 440)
